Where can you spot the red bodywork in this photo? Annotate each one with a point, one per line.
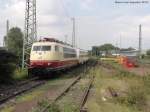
(53, 64)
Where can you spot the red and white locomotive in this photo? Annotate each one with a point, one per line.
(50, 54)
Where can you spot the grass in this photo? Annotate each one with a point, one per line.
(53, 84)
(45, 104)
(20, 74)
(35, 94)
(133, 91)
(29, 97)
(70, 107)
(8, 109)
(40, 90)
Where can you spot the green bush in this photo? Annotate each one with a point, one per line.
(7, 66)
(6, 71)
(20, 74)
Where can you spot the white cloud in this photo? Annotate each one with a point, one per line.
(87, 4)
(13, 12)
(50, 17)
(91, 30)
(97, 31)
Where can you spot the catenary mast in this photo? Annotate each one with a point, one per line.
(73, 33)
(140, 39)
(30, 32)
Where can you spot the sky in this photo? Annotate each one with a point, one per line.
(97, 21)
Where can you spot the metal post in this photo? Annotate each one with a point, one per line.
(66, 38)
(140, 40)
(30, 32)
(7, 26)
(5, 38)
(73, 33)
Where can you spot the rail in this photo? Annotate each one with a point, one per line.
(85, 95)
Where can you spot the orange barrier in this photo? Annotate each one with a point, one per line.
(122, 60)
(126, 62)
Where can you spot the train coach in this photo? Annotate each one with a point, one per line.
(50, 54)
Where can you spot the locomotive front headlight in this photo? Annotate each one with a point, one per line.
(49, 64)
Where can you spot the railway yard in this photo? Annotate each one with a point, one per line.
(96, 86)
(74, 56)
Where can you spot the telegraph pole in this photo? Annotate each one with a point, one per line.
(120, 41)
(7, 24)
(7, 30)
(140, 39)
(73, 33)
(30, 32)
(66, 38)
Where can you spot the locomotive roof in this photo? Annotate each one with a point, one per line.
(54, 40)
(57, 41)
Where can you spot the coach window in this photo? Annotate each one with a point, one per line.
(56, 48)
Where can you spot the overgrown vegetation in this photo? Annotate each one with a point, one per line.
(9, 71)
(138, 91)
(133, 91)
(50, 107)
(14, 43)
(7, 66)
(20, 74)
(11, 57)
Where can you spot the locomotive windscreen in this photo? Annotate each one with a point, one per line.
(42, 48)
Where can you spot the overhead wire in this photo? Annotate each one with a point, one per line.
(66, 12)
(64, 7)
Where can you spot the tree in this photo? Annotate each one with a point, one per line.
(148, 52)
(96, 50)
(107, 47)
(5, 41)
(14, 42)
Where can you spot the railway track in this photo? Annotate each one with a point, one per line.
(66, 90)
(85, 95)
(61, 94)
(18, 84)
(11, 92)
(18, 89)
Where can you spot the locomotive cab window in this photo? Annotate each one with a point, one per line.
(36, 48)
(46, 48)
(56, 48)
(41, 48)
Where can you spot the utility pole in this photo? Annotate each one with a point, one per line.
(116, 50)
(30, 32)
(7, 30)
(73, 32)
(120, 41)
(140, 39)
(66, 38)
(7, 25)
